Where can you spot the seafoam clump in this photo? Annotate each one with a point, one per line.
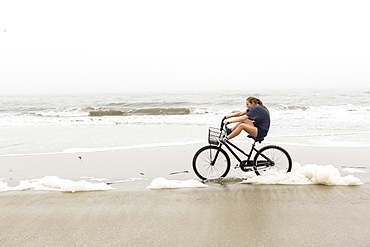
(307, 174)
(162, 183)
(4, 186)
(23, 185)
(66, 185)
(353, 170)
(54, 183)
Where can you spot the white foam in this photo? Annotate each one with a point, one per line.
(4, 186)
(162, 183)
(23, 185)
(66, 185)
(54, 183)
(99, 179)
(307, 174)
(129, 180)
(353, 170)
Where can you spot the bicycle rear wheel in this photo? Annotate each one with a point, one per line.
(272, 160)
(211, 162)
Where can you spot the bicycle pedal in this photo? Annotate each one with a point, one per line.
(248, 170)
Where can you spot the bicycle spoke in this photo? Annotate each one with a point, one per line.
(276, 158)
(207, 166)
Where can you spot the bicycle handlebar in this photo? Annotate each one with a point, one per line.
(222, 123)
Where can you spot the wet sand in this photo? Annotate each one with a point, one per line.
(227, 214)
(149, 163)
(224, 215)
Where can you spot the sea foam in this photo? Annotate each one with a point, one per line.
(4, 186)
(54, 183)
(162, 183)
(353, 170)
(307, 174)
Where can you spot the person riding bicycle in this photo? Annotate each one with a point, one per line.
(255, 120)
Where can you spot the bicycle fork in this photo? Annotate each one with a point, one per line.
(213, 160)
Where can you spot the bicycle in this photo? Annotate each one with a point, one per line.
(212, 161)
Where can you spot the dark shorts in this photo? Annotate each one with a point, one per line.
(261, 132)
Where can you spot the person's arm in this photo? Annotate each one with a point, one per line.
(237, 120)
(238, 114)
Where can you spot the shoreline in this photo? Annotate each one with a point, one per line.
(125, 169)
(225, 213)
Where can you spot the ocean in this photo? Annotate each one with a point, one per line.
(39, 124)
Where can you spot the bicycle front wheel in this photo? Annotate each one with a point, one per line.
(211, 162)
(272, 160)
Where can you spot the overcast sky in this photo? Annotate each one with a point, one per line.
(85, 46)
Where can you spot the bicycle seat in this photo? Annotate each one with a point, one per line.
(256, 139)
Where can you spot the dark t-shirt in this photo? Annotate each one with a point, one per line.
(260, 116)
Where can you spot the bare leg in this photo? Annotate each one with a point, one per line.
(246, 126)
(235, 126)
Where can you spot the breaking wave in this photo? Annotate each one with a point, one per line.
(147, 111)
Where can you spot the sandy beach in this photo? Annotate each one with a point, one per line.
(228, 215)
(222, 214)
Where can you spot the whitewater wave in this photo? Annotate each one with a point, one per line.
(146, 111)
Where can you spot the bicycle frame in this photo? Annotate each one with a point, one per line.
(249, 156)
(228, 144)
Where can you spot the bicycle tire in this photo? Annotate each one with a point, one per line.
(276, 158)
(204, 165)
